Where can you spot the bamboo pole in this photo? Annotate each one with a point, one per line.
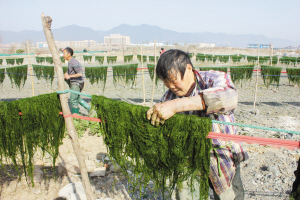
(46, 21)
(143, 74)
(31, 69)
(256, 83)
(154, 77)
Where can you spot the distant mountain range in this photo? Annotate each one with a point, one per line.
(143, 34)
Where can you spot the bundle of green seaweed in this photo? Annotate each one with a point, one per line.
(96, 74)
(190, 55)
(111, 59)
(1, 61)
(19, 61)
(125, 72)
(49, 60)
(200, 57)
(274, 60)
(2, 75)
(224, 59)
(144, 58)
(40, 59)
(251, 58)
(17, 75)
(263, 59)
(37, 71)
(151, 68)
(10, 61)
(100, 59)
(270, 75)
(209, 57)
(174, 151)
(87, 58)
(239, 73)
(39, 126)
(293, 75)
(223, 69)
(128, 58)
(236, 58)
(65, 70)
(48, 73)
(62, 59)
(152, 59)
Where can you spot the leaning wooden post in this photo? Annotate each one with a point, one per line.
(154, 77)
(31, 69)
(143, 74)
(65, 108)
(256, 83)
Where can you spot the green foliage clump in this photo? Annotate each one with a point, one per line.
(48, 73)
(274, 60)
(223, 69)
(263, 59)
(270, 75)
(1, 61)
(151, 71)
(224, 59)
(200, 57)
(139, 57)
(128, 58)
(152, 59)
(37, 71)
(293, 75)
(87, 58)
(100, 59)
(10, 61)
(236, 58)
(49, 60)
(96, 74)
(2, 75)
(39, 126)
(40, 59)
(17, 75)
(111, 59)
(174, 151)
(19, 61)
(251, 58)
(125, 72)
(209, 57)
(239, 73)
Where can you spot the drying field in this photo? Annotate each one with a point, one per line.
(268, 174)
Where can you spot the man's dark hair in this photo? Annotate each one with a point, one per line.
(69, 50)
(162, 49)
(171, 62)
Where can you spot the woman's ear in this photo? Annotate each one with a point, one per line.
(189, 67)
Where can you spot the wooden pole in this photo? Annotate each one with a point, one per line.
(154, 77)
(256, 83)
(31, 69)
(143, 74)
(46, 20)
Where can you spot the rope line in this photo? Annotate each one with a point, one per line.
(66, 91)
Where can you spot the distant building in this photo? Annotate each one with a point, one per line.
(72, 44)
(201, 45)
(116, 40)
(261, 46)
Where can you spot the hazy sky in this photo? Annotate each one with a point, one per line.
(272, 18)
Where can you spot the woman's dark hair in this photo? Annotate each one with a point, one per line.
(69, 50)
(171, 62)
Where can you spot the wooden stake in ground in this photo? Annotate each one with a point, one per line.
(143, 74)
(256, 83)
(31, 69)
(154, 77)
(65, 108)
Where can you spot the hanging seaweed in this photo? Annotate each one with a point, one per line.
(224, 59)
(10, 61)
(39, 126)
(151, 73)
(48, 73)
(174, 151)
(96, 74)
(209, 57)
(1, 61)
(37, 71)
(236, 58)
(19, 61)
(263, 59)
(293, 75)
(223, 69)
(128, 58)
(191, 55)
(87, 58)
(111, 59)
(239, 73)
(200, 57)
(40, 59)
(2, 75)
(131, 71)
(125, 72)
(270, 75)
(274, 60)
(100, 59)
(17, 75)
(251, 58)
(65, 69)
(144, 58)
(49, 60)
(152, 59)
(62, 59)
